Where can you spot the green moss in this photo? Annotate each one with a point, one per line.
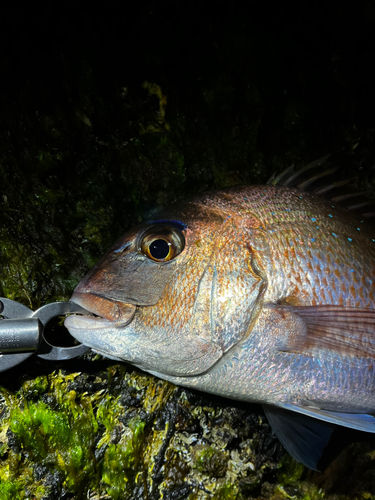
(121, 461)
(157, 123)
(35, 387)
(17, 480)
(226, 492)
(11, 491)
(59, 438)
(290, 471)
(211, 461)
(117, 433)
(69, 429)
(106, 413)
(291, 477)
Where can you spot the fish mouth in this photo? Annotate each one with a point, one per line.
(119, 314)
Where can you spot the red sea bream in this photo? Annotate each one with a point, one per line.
(256, 293)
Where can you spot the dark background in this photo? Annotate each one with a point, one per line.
(245, 92)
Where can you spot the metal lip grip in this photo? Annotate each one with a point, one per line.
(21, 333)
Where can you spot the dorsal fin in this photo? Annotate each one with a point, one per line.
(290, 178)
(317, 178)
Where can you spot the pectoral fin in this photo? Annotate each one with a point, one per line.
(303, 437)
(348, 331)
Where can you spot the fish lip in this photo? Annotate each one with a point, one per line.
(118, 314)
(81, 322)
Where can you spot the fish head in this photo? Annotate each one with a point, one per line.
(172, 295)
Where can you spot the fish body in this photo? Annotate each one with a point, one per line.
(257, 293)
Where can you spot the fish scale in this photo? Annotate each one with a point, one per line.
(291, 242)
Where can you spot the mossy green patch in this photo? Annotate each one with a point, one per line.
(226, 492)
(120, 433)
(66, 432)
(35, 387)
(211, 461)
(120, 466)
(61, 437)
(290, 471)
(95, 439)
(17, 481)
(12, 490)
(292, 480)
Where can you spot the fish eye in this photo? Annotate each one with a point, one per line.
(159, 249)
(162, 242)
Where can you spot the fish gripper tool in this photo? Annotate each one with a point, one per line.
(21, 332)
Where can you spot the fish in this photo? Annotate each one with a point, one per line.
(261, 293)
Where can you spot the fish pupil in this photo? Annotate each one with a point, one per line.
(159, 249)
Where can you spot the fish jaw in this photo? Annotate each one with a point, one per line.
(88, 331)
(111, 314)
(128, 340)
(112, 310)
